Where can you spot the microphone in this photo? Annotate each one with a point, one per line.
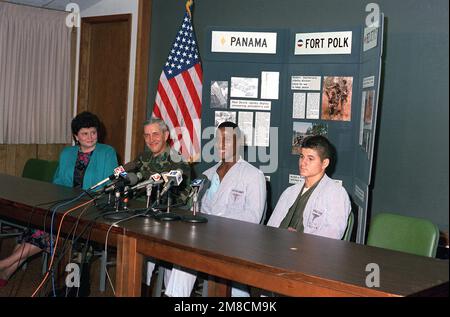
(202, 183)
(130, 166)
(199, 187)
(173, 178)
(198, 182)
(130, 179)
(121, 186)
(155, 179)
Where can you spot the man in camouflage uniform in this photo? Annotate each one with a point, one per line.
(161, 158)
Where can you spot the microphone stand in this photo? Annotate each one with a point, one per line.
(119, 211)
(195, 209)
(117, 196)
(105, 204)
(148, 188)
(167, 216)
(158, 195)
(149, 210)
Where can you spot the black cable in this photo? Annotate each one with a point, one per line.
(89, 226)
(70, 232)
(83, 256)
(28, 228)
(65, 245)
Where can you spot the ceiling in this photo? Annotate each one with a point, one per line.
(56, 4)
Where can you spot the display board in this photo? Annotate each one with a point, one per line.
(281, 85)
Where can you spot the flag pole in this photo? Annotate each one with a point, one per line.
(189, 3)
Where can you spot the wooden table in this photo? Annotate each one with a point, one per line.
(284, 262)
(19, 196)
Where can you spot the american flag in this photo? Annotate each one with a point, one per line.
(179, 97)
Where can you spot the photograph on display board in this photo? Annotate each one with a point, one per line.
(367, 105)
(219, 94)
(337, 98)
(244, 87)
(368, 109)
(301, 130)
(222, 116)
(361, 122)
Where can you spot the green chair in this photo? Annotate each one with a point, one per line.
(41, 170)
(52, 166)
(35, 169)
(349, 229)
(404, 234)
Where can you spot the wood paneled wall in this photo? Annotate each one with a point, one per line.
(14, 156)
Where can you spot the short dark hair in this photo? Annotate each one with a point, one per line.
(321, 144)
(85, 119)
(229, 124)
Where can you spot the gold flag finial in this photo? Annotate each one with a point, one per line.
(188, 7)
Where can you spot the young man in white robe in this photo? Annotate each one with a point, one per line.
(317, 204)
(237, 191)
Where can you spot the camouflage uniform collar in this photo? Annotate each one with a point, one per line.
(164, 156)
